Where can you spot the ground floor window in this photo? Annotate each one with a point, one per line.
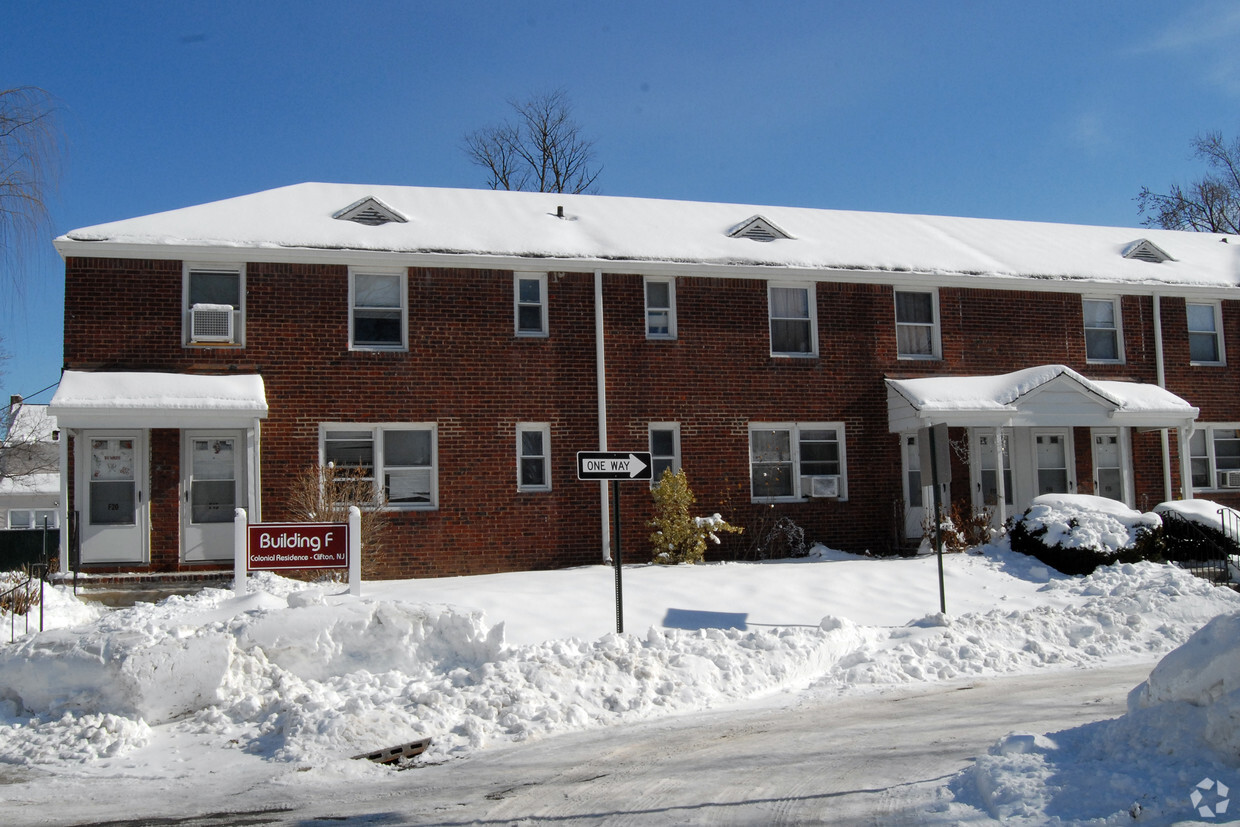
(1214, 452)
(664, 449)
(402, 458)
(533, 456)
(794, 461)
(32, 518)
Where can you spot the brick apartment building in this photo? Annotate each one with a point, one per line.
(461, 346)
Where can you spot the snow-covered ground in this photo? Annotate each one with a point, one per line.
(285, 684)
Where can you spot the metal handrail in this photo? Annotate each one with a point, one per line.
(9, 597)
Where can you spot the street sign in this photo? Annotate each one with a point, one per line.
(274, 546)
(614, 465)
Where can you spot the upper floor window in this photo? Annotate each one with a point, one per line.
(793, 461)
(530, 303)
(1214, 456)
(660, 308)
(917, 329)
(1103, 342)
(664, 449)
(1205, 337)
(793, 318)
(533, 456)
(401, 458)
(378, 310)
(213, 305)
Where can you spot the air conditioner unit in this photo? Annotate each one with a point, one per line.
(828, 486)
(211, 323)
(1229, 479)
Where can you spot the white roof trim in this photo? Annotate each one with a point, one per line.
(133, 399)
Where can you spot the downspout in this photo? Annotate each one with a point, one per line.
(1162, 383)
(600, 373)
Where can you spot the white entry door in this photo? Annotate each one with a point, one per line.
(1109, 464)
(914, 493)
(1054, 462)
(112, 483)
(213, 483)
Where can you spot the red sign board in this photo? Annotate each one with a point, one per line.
(298, 546)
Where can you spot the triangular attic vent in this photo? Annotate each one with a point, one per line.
(757, 229)
(1146, 250)
(370, 211)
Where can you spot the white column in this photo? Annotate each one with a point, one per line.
(240, 558)
(1000, 485)
(64, 501)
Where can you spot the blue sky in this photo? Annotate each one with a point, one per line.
(1048, 111)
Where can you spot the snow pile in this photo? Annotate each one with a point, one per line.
(1203, 512)
(298, 675)
(1087, 522)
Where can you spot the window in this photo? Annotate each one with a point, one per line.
(403, 457)
(917, 330)
(533, 457)
(378, 317)
(660, 308)
(530, 303)
(1214, 456)
(664, 449)
(32, 518)
(793, 317)
(213, 306)
(1102, 330)
(785, 459)
(1205, 346)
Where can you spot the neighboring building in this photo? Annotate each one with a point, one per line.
(29, 468)
(462, 345)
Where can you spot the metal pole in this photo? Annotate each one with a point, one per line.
(615, 556)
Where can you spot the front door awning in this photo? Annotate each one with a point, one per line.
(139, 399)
(1048, 395)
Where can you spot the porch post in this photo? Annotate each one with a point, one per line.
(1000, 486)
(65, 522)
(1186, 463)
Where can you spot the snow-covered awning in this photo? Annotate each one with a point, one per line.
(1048, 395)
(158, 400)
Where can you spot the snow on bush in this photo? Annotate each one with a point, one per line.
(1076, 533)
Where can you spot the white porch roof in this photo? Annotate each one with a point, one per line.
(132, 399)
(1048, 395)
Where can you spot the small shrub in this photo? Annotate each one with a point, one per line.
(1029, 533)
(963, 527)
(19, 592)
(776, 537)
(678, 537)
(323, 494)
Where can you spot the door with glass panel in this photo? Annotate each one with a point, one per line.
(986, 447)
(1053, 462)
(212, 485)
(112, 496)
(1108, 455)
(914, 493)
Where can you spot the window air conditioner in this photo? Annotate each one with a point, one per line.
(1229, 479)
(828, 486)
(211, 323)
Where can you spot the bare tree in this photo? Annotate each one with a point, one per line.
(26, 446)
(542, 149)
(1209, 205)
(30, 149)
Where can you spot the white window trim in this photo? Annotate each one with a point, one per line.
(403, 274)
(671, 306)
(1117, 308)
(1211, 458)
(544, 315)
(674, 427)
(377, 430)
(238, 313)
(936, 337)
(1218, 332)
(795, 429)
(543, 428)
(812, 298)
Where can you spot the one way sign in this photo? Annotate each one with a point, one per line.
(614, 465)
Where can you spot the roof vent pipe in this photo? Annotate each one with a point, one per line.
(559, 211)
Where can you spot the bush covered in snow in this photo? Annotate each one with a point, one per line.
(1077, 533)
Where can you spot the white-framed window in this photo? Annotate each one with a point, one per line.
(529, 304)
(917, 324)
(32, 518)
(401, 458)
(786, 457)
(793, 319)
(1104, 341)
(213, 305)
(664, 440)
(533, 456)
(660, 308)
(378, 309)
(1205, 333)
(1214, 456)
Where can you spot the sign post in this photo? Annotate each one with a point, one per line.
(933, 445)
(615, 466)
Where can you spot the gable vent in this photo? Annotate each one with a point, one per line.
(758, 229)
(1145, 250)
(370, 211)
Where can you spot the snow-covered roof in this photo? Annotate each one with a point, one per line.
(32, 423)
(1043, 395)
(563, 231)
(144, 399)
